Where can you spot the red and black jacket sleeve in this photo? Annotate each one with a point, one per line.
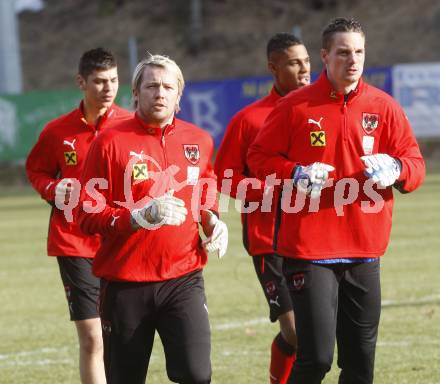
(42, 169)
(97, 213)
(268, 152)
(232, 156)
(402, 145)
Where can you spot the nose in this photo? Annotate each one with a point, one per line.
(304, 67)
(160, 91)
(353, 57)
(107, 86)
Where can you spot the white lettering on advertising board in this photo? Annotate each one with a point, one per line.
(8, 124)
(417, 88)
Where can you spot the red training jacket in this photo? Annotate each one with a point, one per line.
(60, 153)
(139, 162)
(258, 226)
(316, 124)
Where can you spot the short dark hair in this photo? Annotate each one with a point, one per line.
(97, 59)
(281, 41)
(339, 24)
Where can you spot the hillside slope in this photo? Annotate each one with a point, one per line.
(233, 35)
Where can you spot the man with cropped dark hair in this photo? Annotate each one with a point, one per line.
(53, 167)
(281, 41)
(98, 59)
(289, 63)
(339, 146)
(340, 25)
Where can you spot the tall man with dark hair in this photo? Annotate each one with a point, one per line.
(157, 187)
(289, 63)
(338, 228)
(53, 167)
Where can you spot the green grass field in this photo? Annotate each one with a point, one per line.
(38, 342)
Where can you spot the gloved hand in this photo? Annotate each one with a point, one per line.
(217, 233)
(163, 210)
(311, 178)
(63, 190)
(382, 169)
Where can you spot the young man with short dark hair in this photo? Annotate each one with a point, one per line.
(54, 166)
(289, 63)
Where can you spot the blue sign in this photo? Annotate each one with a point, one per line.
(208, 104)
(212, 104)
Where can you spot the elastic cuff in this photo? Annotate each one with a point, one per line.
(295, 173)
(124, 224)
(284, 346)
(401, 174)
(215, 213)
(288, 170)
(49, 193)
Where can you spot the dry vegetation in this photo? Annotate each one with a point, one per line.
(233, 34)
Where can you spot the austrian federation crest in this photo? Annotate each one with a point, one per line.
(298, 281)
(192, 153)
(271, 288)
(370, 121)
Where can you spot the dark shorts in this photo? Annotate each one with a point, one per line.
(132, 312)
(81, 287)
(269, 269)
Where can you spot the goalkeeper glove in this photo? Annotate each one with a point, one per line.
(163, 210)
(218, 234)
(310, 179)
(382, 169)
(63, 190)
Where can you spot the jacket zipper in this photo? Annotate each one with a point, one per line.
(162, 142)
(277, 223)
(345, 133)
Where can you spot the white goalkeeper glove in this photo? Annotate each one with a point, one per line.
(163, 210)
(218, 238)
(63, 190)
(310, 179)
(382, 169)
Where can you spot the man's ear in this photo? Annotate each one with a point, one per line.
(272, 68)
(323, 53)
(135, 96)
(81, 82)
(177, 109)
